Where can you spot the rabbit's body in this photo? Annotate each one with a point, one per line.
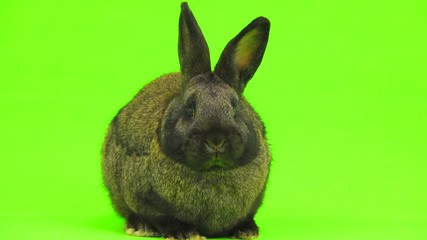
(188, 155)
(142, 180)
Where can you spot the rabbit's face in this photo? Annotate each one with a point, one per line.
(207, 127)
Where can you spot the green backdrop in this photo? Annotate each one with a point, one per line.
(342, 90)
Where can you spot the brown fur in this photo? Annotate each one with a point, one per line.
(137, 170)
(155, 170)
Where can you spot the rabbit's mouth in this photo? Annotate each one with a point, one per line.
(217, 163)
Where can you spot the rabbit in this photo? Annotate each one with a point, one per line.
(187, 157)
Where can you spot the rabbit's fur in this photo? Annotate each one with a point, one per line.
(188, 157)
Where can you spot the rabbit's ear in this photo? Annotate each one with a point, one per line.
(243, 54)
(192, 47)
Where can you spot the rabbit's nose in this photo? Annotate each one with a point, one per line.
(215, 142)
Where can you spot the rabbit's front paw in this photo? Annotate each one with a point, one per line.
(140, 229)
(182, 235)
(246, 230)
(245, 234)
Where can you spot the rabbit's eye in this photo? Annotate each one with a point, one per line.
(191, 112)
(234, 106)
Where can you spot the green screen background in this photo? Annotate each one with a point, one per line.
(342, 90)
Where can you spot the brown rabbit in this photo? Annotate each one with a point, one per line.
(188, 157)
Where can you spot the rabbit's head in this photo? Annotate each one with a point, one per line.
(210, 126)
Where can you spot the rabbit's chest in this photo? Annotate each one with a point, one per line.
(211, 206)
(213, 201)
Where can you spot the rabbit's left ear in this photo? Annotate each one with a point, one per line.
(243, 54)
(192, 47)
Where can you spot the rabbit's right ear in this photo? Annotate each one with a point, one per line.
(192, 47)
(243, 54)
